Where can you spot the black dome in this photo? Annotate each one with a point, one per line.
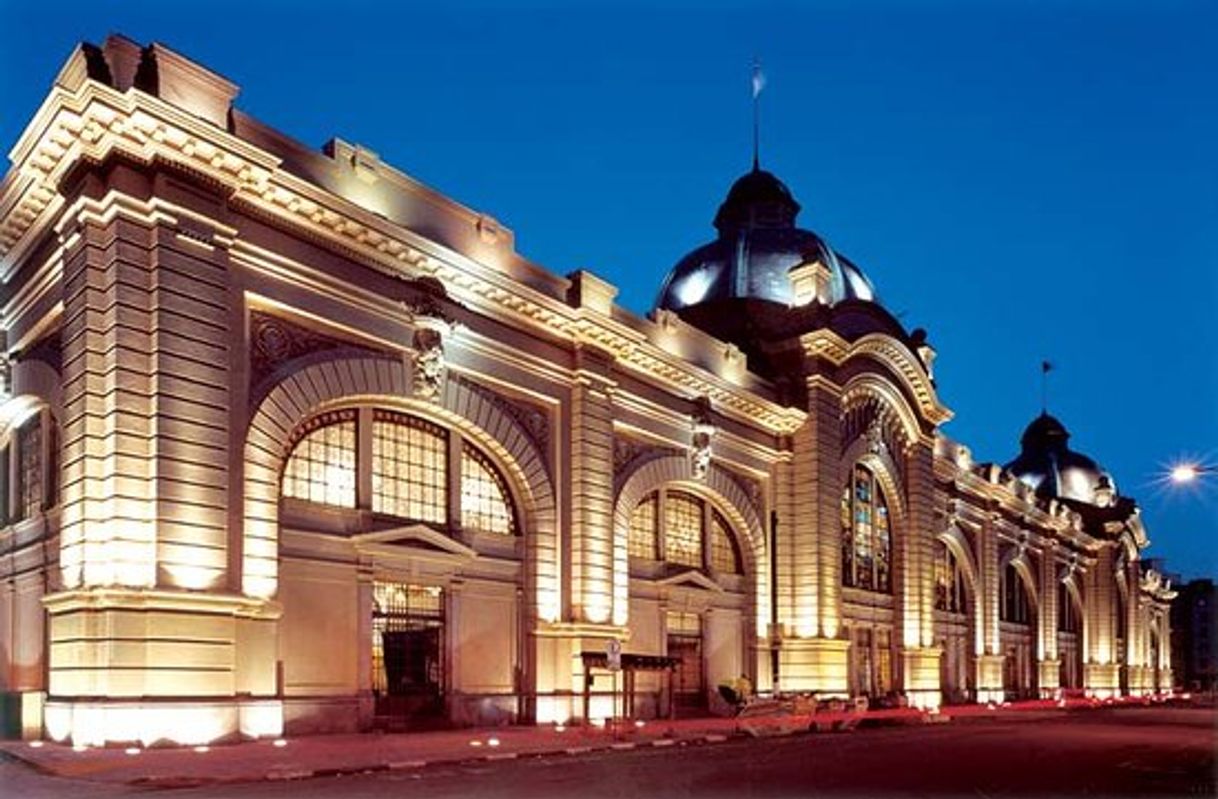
(757, 245)
(1048, 465)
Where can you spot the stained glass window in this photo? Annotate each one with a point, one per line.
(409, 468)
(642, 543)
(866, 534)
(683, 529)
(484, 496)
(321, 467)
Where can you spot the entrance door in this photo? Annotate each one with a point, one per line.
(407, 652)
(685, 644)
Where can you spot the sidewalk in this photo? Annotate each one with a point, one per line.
(326, 755)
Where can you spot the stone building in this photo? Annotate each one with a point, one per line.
(1194, 631)
(296, 443)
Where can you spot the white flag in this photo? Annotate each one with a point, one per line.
(758, 79)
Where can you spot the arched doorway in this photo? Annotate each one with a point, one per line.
(431, 520)
(954, 627)
(1017, 626)
(868, 607)
(1069, 639)
(689, 596)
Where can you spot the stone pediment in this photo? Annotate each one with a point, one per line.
(690, 578)
(414, 536)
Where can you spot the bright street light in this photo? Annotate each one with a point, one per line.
(1188, 472)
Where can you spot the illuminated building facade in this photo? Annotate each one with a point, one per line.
(296, 443)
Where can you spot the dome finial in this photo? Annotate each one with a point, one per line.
(758, 85)
(1045, 368)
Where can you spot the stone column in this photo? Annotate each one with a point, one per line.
(916, 602)
(989, 662)
(813, 656)
(597, 580)
(1100, 675)
(1049, 663)
(144, 547)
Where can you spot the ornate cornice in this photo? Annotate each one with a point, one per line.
(826, 344)
(95, 121)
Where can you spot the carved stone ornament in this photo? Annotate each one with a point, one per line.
(700, 444)
(430, 368)
(875, 436)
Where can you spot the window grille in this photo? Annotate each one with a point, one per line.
(409, 468)
(321, 467)
(484, 496)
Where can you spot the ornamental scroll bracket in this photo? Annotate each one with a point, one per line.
(703, 429)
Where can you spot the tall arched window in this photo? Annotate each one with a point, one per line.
(405, 468)
(866, 534)
(949, 581)
(1016, 605)
(1068, 620)
(683, 529)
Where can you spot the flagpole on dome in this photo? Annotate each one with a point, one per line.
(1045, 368)
(758, 85)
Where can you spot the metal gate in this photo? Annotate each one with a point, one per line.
(407, 650)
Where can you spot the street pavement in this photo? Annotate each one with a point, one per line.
(1107, 751)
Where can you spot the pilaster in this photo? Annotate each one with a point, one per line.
(599, 572)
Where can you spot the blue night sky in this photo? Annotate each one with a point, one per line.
(1026, 180)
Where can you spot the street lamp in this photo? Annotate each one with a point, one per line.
(1184, 473)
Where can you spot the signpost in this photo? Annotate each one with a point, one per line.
(613, 658)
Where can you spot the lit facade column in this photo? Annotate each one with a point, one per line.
(1100, 673)
(1048, 659)
(813, 654)
(989, 662)
(1134, 659)
(594, 573)
(920, 656)
(147, 614)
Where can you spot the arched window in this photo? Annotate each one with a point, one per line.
(406, 470)
(685, 530)
(643, 541)
(866, 534)
(321, 467)
(949, 581)
(1068, 620)
(484, 496)
(1016, 606)
(409, 467)
(724, 557)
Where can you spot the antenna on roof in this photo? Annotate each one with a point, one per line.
(1045, 368)
(758, 85)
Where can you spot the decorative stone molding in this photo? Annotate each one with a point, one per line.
(275, 340)
(630, 453)
(430, 368)
(533, 420)
(824, 343)
(703, 429)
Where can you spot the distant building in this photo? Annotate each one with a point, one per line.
(297, 443)
(1194, 632)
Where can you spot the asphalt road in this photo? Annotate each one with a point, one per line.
(1126, 752)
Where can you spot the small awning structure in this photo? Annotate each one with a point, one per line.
(630, 666)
